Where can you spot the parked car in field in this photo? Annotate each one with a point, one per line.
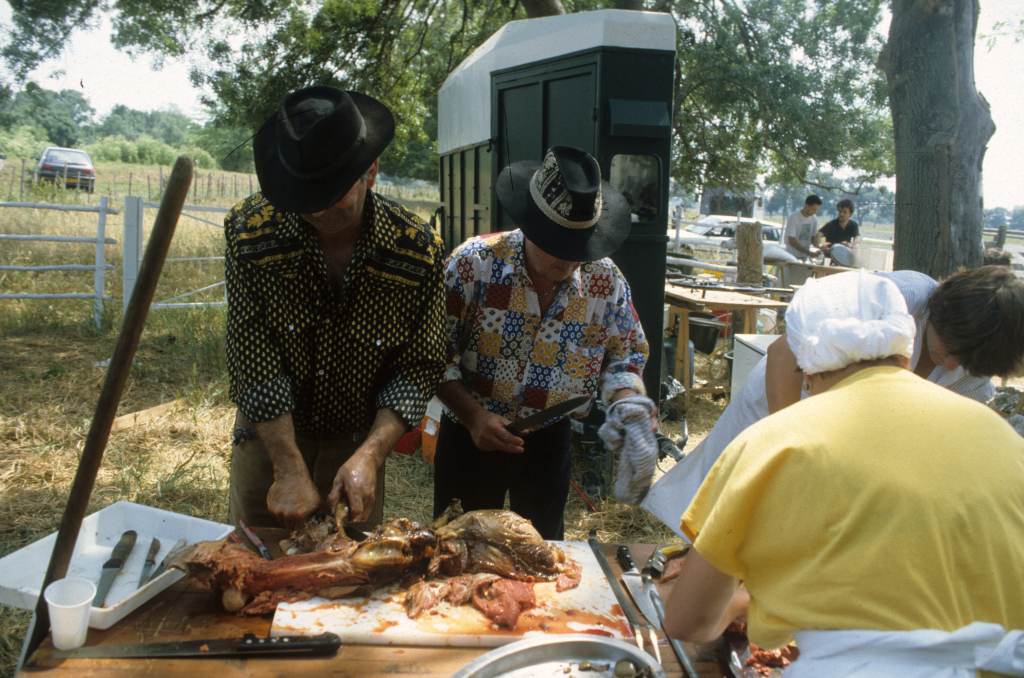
(68, 166)
(718, 232)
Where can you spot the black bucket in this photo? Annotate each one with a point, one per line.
(704, 333)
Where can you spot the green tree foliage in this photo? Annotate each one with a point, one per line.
(23, 141)
(1017, 218)
(996, 217)
(170, 126)
(762, 85)
(231, 147)
(63, 115)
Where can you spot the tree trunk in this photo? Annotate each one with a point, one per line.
(749, 254)
(941, 125)
(536, 8)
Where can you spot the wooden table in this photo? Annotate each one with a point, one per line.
(684, 300)
(184, 612)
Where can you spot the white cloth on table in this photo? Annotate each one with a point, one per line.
(627, 432)
(924, 653)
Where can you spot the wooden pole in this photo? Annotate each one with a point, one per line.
(10, 189)
(749, 253)
(110, 395)
(149, 189)
(129, 183)
(21, 182)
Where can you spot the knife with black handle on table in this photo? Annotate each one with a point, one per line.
(635, 623)
(147, 567)
(636, 585)
(113, 566)
(246, 646)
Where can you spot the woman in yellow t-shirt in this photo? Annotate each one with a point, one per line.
(888, 534)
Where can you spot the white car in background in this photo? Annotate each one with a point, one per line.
(716, 232)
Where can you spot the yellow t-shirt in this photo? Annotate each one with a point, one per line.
(885, 503)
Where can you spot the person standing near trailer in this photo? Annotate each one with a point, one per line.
(536, 316)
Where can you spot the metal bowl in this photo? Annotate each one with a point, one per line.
(559, 657)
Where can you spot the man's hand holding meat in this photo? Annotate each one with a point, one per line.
(535, 316)
(335, 337)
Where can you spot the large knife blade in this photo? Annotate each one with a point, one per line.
(540, 419)
(613, 583)
(147, 567)
(113, 566)
(637, 587)
(247, 646)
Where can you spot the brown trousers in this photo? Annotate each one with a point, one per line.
(252, 473)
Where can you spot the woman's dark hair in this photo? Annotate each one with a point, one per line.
(979, 316)
(845, 202)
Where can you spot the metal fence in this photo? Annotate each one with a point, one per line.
(134, 221)
(99, 267)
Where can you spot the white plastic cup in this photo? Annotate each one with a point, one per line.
(69, 601)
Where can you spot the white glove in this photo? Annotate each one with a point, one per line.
(627, 431)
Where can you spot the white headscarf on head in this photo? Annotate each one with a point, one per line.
(846, 318)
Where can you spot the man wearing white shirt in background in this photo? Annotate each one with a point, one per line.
(801, 227)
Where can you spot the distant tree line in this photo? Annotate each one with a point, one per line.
(34, 118)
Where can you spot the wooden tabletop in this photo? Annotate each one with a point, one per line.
(720, 299)
(183, 612)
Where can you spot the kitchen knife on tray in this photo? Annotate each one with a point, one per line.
(175, 550)
(113, 566)
(147, 568)
(246, 646)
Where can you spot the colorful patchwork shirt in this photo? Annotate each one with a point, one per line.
(516, 362)
(332, 353)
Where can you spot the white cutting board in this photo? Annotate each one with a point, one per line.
(381, 619)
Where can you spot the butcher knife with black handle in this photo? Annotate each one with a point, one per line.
(246, 646)
(635, 623)
(113, 567)
(539, 420)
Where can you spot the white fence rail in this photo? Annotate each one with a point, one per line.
(99, 267)
(134, 220)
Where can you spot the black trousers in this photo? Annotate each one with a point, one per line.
(537, 481)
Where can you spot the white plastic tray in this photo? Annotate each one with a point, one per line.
(21, 572)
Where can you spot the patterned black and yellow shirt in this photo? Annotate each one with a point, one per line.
(332, 355)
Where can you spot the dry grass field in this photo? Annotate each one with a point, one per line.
(50, 375)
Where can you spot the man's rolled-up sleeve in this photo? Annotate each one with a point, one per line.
(258, 384)
(626, 347)
(420, 364)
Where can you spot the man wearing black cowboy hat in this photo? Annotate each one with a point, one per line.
(536, 316)
(335, 336)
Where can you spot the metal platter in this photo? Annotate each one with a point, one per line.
(575, 655)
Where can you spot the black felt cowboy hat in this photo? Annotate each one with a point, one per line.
(317, 145)
(562, 205)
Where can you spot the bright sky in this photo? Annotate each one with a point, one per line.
(108, 77)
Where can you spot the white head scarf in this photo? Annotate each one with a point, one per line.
(846, 318)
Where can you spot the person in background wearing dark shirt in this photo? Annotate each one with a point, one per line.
(335, 329)
(842, 229)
